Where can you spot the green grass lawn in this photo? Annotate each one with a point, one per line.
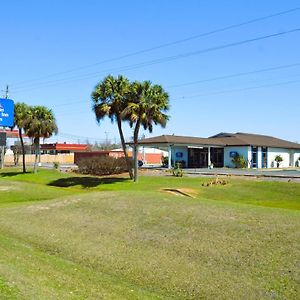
(65, 236)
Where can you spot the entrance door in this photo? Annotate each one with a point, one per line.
(217, 157)
(198, 157)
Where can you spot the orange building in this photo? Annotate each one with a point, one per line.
(56, 148)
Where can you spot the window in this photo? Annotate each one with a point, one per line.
(217, 157)
(254, 156)
(264, 156)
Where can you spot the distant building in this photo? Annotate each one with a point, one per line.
(149, 156)
(56, 148)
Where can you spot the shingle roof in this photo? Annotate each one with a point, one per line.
(240, 138)
(184, 140)
(222, 139)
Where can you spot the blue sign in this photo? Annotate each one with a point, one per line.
(6, 113)
(179, 154)
(233, 154)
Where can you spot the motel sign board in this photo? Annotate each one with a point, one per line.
(6, 113)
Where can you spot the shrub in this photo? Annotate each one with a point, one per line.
(56, 165)
(239, 161)
(278, 160)
(165, 161)
(177, 171)
(216, 181)
(181, 163)
(102, 165)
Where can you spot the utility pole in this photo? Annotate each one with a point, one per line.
(6, 92)
(106, 140)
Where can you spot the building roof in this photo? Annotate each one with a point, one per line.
(248, 139)
(64, 146)
(184, 140)
(222, 139)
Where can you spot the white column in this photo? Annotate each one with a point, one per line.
(208, 158)
(170, 157)
(249, 157)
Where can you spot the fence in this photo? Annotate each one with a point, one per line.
(45, 158)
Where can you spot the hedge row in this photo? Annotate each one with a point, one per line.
(103, 165)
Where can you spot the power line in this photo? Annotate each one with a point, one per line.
(79, 137)
(235, 75)
(216, 93)
(179, 56)
(176, 42)
(238, 90)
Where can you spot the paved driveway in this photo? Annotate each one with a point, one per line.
(281, 173)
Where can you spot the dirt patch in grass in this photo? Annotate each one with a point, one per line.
(183, 192)
(62, 203)
(6, 188)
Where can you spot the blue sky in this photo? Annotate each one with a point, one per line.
(53, 53)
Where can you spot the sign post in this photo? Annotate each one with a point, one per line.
(6, 120)
(2, 148)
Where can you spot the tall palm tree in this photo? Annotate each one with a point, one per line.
(20, 116)
(39, 124)
(146, 106)
(110, 99)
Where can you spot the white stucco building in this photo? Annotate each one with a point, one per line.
(258, 150)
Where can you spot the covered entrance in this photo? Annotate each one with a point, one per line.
(199, 157)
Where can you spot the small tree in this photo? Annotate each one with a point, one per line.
(39, 124)
(278, 160)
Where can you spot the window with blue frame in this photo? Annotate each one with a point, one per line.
(264, 157)
(254, 150)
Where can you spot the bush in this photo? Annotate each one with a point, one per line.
(278, 160)
(102, 165)
(180, 163)
(239, 161)
(216, 181)
(56, 165)
(177, 171)
(165, 161)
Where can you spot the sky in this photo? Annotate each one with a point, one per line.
(228, 66)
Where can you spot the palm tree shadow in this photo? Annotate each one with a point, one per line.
(11, 174)
(85, 182)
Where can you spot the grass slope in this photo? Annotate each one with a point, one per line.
(112, 239)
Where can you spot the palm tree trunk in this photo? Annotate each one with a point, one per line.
(135, 148)
(129, 167)
(23, 150)
(36, 146)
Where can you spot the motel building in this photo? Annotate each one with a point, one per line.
(218, 151)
